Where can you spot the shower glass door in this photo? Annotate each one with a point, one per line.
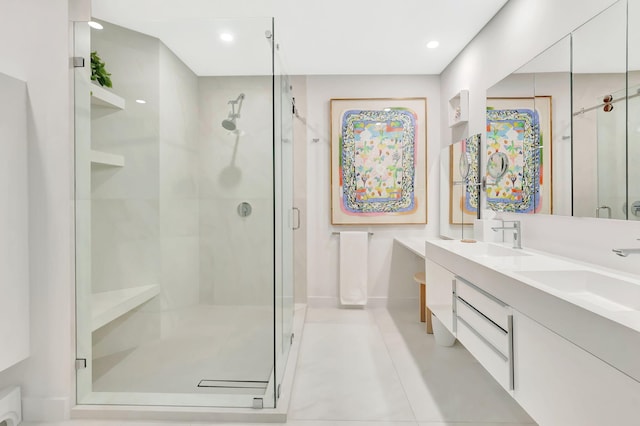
(283, 129)
(182, 215)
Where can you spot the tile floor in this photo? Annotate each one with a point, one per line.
(377, 367)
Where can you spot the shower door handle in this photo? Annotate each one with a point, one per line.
(296, 222)
(607, 208)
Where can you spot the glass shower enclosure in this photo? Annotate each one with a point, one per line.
(183, 183)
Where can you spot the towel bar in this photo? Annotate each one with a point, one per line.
(337, 233)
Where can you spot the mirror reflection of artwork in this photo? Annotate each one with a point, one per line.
(463, 180)
(519, 133)
(378, 161)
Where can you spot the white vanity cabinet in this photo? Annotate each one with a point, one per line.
(484, 327)
(558, 383)
(441, 293)
(564, 361)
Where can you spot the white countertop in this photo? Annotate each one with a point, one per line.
(415, 244)
(528, 266)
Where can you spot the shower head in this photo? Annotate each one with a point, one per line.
(230, 122)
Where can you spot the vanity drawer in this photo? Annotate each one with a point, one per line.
(494, 335)
(491, 359)
(488, 305)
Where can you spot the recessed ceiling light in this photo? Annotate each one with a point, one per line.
(433, 44)
(228, 37)
(96, 25)
(141, 101)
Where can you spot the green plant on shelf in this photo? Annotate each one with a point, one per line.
(98, 71)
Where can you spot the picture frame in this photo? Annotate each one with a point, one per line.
(521, 129)
(378, 161)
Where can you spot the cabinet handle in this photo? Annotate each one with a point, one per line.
(485, 341)
(511, 363)
(454, 306)
(607, 208)
(481, 291)
(481, 315)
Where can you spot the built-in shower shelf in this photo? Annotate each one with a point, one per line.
(109, 305)
(106, 159)
(101, 97)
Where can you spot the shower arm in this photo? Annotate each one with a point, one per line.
(239, 102)
(233, 103)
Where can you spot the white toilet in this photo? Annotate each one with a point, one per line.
(10, 407)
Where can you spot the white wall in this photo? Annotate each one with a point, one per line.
(236, 252)
(179, 184)
(37, 51)
(323, 252)
(519, 39)
(14, 223)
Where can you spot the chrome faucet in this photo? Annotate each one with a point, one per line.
(624, 252)
(517, 243)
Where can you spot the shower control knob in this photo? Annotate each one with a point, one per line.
(244, 209)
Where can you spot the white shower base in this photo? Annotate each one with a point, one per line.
(206, 342)
(168, 406)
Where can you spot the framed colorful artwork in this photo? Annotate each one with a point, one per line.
(378, 161)
(464, 176)
(519, 132)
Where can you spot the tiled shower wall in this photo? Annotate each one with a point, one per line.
(236, 253)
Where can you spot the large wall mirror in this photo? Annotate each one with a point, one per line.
(529, 124)
(599, 115)
(460, 188)
(565, 122)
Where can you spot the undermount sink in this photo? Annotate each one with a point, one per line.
(491, 250)
(591, 287)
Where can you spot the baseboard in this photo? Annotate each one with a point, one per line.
(45, 409)
(405, 302)
(322, 302)
(372, 302)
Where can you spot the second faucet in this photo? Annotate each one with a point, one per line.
(517, 234)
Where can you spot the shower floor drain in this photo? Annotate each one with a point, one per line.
(233, 384)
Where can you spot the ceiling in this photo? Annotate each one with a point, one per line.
(315, 37)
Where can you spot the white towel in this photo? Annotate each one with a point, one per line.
(354, 252)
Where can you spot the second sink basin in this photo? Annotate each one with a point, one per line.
(491, 250)
(607, 292)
